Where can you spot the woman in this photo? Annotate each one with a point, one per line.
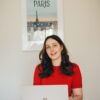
(56, 68)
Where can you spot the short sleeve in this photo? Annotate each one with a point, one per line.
(36, 78)
(77, 77)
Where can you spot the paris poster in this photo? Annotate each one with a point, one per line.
(42, 20)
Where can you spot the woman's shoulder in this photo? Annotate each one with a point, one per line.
(76, 67)
(38, 67)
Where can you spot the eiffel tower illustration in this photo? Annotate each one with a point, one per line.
(37, 20)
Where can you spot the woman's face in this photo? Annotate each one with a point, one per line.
(53, 49)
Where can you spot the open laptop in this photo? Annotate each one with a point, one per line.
(45, 92)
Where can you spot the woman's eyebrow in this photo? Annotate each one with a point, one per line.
(47, 45)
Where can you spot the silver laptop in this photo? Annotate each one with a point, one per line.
(45, 92)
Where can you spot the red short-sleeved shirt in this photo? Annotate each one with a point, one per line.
(57, 78)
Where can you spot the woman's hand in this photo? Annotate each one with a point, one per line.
(77, 94)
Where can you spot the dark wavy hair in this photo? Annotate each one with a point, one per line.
(46, 64)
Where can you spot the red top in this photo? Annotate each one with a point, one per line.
(57, 78)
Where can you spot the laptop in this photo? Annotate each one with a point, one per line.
(45, 92)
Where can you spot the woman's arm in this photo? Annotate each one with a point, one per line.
(36, 78)
(77, 94)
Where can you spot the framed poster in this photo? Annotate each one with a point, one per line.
(40, 18)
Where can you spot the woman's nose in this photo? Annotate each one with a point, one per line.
(51, 49)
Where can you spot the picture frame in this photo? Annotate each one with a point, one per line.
(33, 43)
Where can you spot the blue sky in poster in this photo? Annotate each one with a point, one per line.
(42, 11)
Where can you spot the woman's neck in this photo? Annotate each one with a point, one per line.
(56, 62)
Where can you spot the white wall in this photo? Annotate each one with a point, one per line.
(16, 66)
(82, 38)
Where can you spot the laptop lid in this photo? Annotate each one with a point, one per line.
(45, 92)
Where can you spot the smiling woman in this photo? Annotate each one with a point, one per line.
(55, 68)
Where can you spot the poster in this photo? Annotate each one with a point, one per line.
(41, 19)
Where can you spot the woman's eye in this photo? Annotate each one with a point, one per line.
(47, 47)
(55, 45)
